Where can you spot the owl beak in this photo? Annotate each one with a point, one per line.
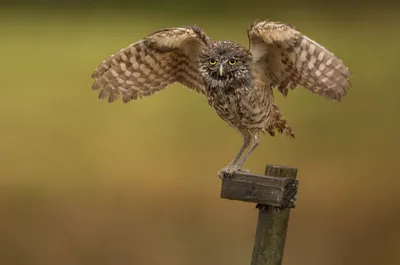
(221, 70)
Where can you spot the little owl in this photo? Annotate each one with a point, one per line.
(238, 82)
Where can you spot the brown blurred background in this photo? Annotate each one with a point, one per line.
(87, 182)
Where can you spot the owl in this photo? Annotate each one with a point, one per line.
(238, 82)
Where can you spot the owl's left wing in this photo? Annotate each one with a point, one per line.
(288, 59)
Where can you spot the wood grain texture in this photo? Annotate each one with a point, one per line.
(272, 225)
(268, 190)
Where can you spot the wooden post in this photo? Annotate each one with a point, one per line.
(275, 193)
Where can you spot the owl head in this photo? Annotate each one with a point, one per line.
(225, 64)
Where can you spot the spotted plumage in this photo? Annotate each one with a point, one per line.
(238, 82)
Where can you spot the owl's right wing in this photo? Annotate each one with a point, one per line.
(151, 64)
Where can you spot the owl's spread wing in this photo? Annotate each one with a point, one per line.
(288, 59)
(151, 64)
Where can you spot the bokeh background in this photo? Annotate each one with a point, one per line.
(87, 182)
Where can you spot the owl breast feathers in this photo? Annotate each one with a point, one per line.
(284, 56)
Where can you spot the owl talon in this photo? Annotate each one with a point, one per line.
(227, 172)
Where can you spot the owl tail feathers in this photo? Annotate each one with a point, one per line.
(279, 123)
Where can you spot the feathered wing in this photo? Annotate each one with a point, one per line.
(289, 59)
(151, 64)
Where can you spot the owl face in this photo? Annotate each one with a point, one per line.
(225, 64)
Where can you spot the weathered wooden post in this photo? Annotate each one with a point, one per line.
(275, 193)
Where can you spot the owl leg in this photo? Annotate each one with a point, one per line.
(233, 165)
(246, 143)
(254, 143)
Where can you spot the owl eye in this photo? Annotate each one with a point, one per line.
(213, 61)
(232, 61)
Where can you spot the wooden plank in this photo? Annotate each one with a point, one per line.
(261, 189)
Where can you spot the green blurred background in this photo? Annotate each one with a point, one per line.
(87, 182)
